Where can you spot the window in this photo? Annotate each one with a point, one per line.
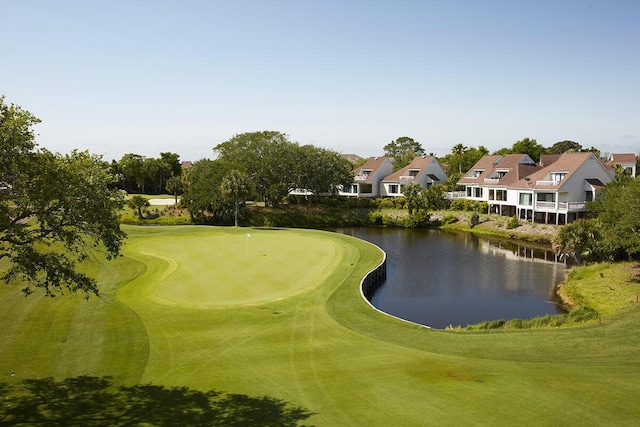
(366, 188)
(588, 197)
(469, 193)
(477, 172)
(413, 172)
(526, 199)
(557, 176)
(393, 189)
(546, 197)
(478, 192)
(501, 195)
(491, 194)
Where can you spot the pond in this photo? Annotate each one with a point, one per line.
(439, 278)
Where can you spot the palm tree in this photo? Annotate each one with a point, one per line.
(459, 150)
(236, 185)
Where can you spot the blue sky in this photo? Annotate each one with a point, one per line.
(143, 77)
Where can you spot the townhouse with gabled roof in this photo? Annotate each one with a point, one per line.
(627, 160)
(422, 170)
(366, 178)
(554, 193)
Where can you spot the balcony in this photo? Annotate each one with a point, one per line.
(452, 195)
(406, 178)
(562, 206)
(491, 180)
(361, 177)
(547, 183)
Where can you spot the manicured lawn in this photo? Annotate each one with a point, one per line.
(279, 314)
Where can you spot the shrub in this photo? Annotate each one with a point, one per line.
(386, 203)
(419, 219)
(468, 205)
(375, 218)
(513, 222)
(458, 205)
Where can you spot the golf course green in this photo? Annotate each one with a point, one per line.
(278, 312)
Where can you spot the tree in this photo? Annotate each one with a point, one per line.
(577, 240)
(618, 212)
(169, 167)
(266, 157)
(322, 171)
(528, 146)
(561, 147)
(174, 186)
(412, 194)
(621, 173)
(131, 167)
(151, 173)
(136, 203)
(236, 185)
(434, 197)
(203, 196)
(463, 162)
(458, 150)
(55, 210)
(403, 150)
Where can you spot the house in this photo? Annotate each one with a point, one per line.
(628, 161)
(489, 180)
(366, 179)
(423, 170)
(554, 193)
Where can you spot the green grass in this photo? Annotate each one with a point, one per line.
(604, 287)
(280, 314)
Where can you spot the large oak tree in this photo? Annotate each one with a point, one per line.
(55, 210)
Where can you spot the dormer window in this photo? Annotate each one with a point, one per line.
(477, 173)
(413, 172)
(558, 176)
(500, 174)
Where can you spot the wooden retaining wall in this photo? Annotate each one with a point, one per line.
(374, 279)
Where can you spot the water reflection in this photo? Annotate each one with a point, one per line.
(439, 278)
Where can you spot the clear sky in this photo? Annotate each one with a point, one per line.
(137, 76)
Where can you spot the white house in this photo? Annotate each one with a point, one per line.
(366, 179)
(628, 161)
(489, 180)
(556, 193)
(423, 170)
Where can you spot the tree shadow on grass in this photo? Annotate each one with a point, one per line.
(95, 401)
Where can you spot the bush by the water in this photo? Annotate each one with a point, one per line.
(513, 222)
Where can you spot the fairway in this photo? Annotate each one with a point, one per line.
(279, 313)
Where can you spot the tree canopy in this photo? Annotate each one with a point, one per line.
(528, 146)
(618, 213)
(561, 147)
(403, 150)
(274, 165)
(203, 196)
(55, 210)
(462, 158)
(140, 174)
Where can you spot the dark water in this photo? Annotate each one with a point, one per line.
(440, 278)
